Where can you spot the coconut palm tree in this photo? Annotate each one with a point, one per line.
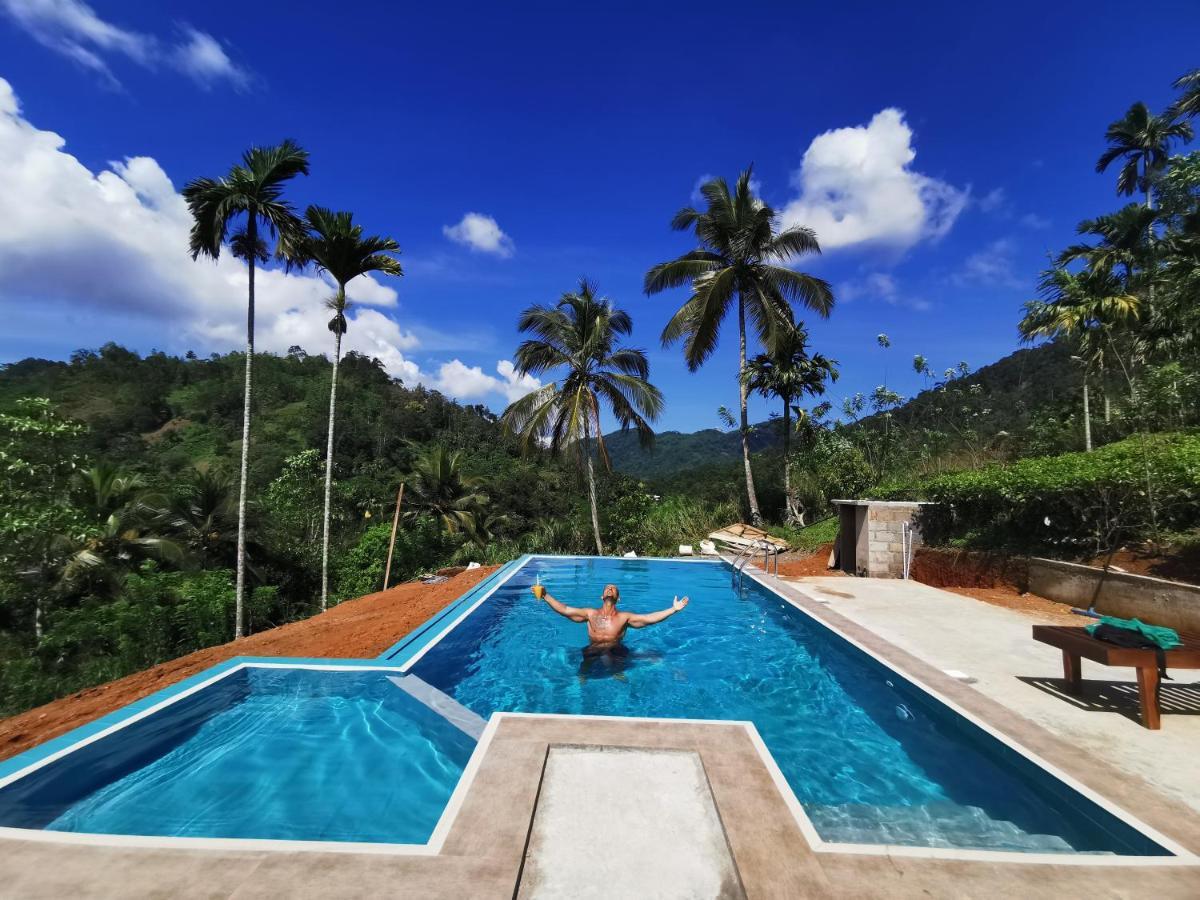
(438, 487)
(579, 338)
(742, 253)
(789, 372)
(119, 516)
(1142, 141)
(249, 199)
(335, 245)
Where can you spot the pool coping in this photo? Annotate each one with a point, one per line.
(454, 614)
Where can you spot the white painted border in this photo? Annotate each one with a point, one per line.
(430, 848)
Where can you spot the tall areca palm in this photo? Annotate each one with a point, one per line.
(579, 337)
(249, 200)
(335, 245)
(789, 372)
(1188, 103)
(438, 487)
(741, 253)
(1143, 141)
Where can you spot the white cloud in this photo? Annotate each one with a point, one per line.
(993, 200)
(482, 233)
(73, 29)
(203, 58)
(992, 266)
(857, 186)
(1034, 221)
(116, 242)
(457, 379)
(878, 286)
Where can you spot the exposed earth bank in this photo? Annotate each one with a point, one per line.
(357, 629)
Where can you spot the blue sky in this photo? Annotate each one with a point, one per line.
(959, 143)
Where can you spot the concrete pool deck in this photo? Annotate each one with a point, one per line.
(993, 645)
(490, 849)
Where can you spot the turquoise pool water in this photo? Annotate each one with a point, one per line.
(369, 754)
(871, 758)
(295, 754)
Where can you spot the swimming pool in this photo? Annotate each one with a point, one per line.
(872, 758)
(271, 752)
(377, 754)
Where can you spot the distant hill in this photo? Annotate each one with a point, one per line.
(1015, 388)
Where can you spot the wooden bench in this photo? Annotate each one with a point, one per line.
(1077, 644)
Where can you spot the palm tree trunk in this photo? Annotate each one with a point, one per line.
(239, 626)
(789, 502)
(337, 353)
(591, 478)
(755, 515)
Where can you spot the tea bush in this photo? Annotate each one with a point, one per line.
(1075, 504)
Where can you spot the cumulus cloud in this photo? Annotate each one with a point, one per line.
(878, 286)
(116, 242)
(481, 233)
(467, 382)
(73, 29)
(857, 186)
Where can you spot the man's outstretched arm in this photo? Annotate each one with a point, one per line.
(567, 612)
(641, 620)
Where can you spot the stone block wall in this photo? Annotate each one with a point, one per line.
(873, 536)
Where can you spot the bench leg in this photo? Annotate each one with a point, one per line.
(1148, 694)
(1072, 673)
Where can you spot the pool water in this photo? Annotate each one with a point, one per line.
(872, 758)
(282, 753)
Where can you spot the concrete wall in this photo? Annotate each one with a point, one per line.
(1153, 600)
(870, 538)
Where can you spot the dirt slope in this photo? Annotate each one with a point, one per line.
(359, 628)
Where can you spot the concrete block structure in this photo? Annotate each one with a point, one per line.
(871, 536)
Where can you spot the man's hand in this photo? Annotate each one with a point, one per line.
(539, 591)
(678, 604)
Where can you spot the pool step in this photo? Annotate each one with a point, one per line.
(441, 703)
(935, 824)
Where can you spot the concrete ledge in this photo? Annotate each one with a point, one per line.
(1153, 600)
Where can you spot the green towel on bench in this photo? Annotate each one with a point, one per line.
(1166, 638)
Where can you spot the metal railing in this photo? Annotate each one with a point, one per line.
(747, 553)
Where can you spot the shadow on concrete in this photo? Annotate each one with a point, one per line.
(1121, 697)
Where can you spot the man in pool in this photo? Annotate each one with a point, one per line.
(606, 625)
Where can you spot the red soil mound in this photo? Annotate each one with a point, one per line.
(356, 629)
(813, 564)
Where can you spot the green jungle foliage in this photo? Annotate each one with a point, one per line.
(118, 502)
(1075, 504)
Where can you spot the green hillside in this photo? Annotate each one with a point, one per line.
(1004, 398)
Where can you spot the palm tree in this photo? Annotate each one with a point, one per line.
(118, 535)
(202, 516)
(252, 194)
(579, 336)
(1143, 141)
(741, 253)
(439, 488)
(1188, 104)
(334, 244)
(789, 372)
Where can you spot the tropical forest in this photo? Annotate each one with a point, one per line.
(152, 504)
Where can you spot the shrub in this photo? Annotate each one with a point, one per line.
(1070, 505)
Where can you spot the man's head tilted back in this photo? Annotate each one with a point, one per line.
(611, 593)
